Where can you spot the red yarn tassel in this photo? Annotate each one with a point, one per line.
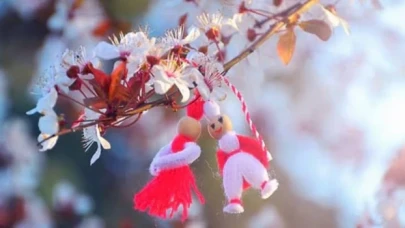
(169, 189)
(166, 192)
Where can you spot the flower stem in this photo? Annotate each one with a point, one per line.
(270, 32)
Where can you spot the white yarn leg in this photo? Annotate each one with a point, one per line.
(233, 185)
(252, 170)
(256, 175)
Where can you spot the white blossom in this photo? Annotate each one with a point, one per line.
(210, 21)
(169, 74)
(244, 38)
(54, 76)
(176, 37)
(45, 103)
(63, 193)
(216, 23)
(135, 44)
(92, 135)
(197, 58)
(209, 83)
(48, 123)
(83, 205)
(79, 58)
(60, 18)
(49, 143)
(334, 20)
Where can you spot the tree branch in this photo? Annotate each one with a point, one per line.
(292, 15)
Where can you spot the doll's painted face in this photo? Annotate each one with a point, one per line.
(219, 125)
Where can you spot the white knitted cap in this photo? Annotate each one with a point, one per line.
(211, 109)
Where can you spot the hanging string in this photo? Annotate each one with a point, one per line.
(246, 112)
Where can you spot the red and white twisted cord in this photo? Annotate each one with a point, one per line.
(245, 110)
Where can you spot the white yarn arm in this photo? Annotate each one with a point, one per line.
(188, 155)
(163, 151)
(153, 169)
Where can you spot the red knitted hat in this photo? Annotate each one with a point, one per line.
(196, 108)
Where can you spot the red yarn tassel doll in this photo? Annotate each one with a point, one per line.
(241, 160)
(173, 180)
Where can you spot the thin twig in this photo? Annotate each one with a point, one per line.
(79, 103)
(127, 125)
(81, 127)
(67, 131)
(270, 32)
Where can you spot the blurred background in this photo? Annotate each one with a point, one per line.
(333, 120)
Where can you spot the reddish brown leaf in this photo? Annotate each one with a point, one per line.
(116, 76)
(152, 60)
(243, 8)
(135, 85)
(98, 89)
(76, 4)
(277, 2)
(76, 85)
(183, 19)
(100, 83)
(95, 102)
(101, 78)
(102, 28)
(122, 26)
(203, 49)
(317, 27)
(286, 46)
(122, 93)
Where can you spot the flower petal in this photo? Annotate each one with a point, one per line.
(48, 144)
(49, 100)
(219, 94)
(204, 91)
(104, 143)
(345, 26)
(193, 34)
(107, 51)
(32, 111)
(45, 103)
(162, 87)
(96, 155)
(192, 76)
(57, 22)
(184, 90)
(331, 19)
(86, 76)
(160, 74)
(197, 57)
(65, 89)
(48, 124)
